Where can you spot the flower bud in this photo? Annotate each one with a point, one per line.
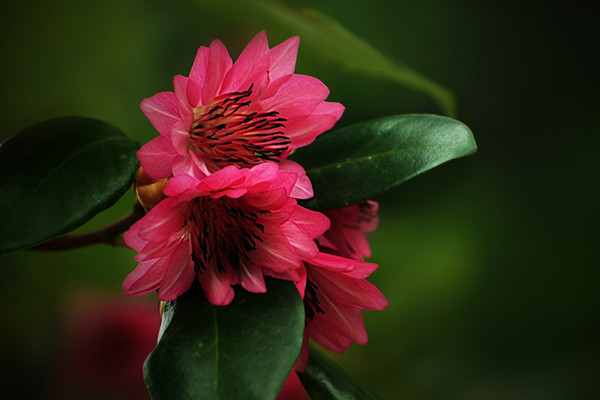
(149, 191)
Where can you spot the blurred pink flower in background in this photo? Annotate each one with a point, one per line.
(104, 340)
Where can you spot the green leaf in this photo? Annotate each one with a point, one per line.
(364, 160)
(333, 42)
(242, 351)
(324, 380)
(58, 174)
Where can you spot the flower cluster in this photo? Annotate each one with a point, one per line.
(223, 207)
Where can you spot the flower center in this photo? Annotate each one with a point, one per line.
(230, 130)
(226, 231)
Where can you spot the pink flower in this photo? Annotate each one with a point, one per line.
(242, 113)
(335, 289)
(346, 237)
(336, 292)
(231, 227)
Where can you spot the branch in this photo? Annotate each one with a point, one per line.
(110, 234)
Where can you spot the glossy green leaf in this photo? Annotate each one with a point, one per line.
(58, 174)
(325, 380)
(332, 42)
(242, 351)
(364, 160)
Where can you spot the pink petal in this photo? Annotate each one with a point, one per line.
(180, 86)
(162, 111)
(216, 286)
(303, 187)
(349, 292)
(303, 244)
(132, 236)
(300, 95)
(327, 108)
(331, 340)
(356, 269)
(231, 193)
(226, 178)
(340, 329)
(197, 77)
(302, 130)
(276, 253)
(179, 273)
(179, 184)
(156, 157)
(190, 165)
(219, 63)
(262, 172)
(143, 279)
(283, 58)
(252, 278)
(273, 200)
(252, 61)
(180, 133)
(163, 221)
(273, 86)
(331, 262)
(313, 223)
(298, 276)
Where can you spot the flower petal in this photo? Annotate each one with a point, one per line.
(197, 77)
(252, 62)
(216, 286)
(180, 83)
(219, 63)
(283, 58)
(303, 130)
(300, 95)
(179, 273)
(156, 157)
(313, 223)
(162, 111)
(303, 187)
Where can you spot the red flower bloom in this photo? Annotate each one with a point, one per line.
(242, 113)
(335, 289)
(229, 228)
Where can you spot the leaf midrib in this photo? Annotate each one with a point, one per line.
(376, 155)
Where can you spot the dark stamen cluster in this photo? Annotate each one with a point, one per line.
(232, 131)
(224, 232)
(312, 305)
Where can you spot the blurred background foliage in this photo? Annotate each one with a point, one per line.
(487, 262)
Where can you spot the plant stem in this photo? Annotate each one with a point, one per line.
(109, 234)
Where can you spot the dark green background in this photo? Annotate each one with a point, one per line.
(489, 263)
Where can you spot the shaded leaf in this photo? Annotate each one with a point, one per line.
(58, 174)
(364, 160)
(241, 351)
(332, 42)
(325, 380)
